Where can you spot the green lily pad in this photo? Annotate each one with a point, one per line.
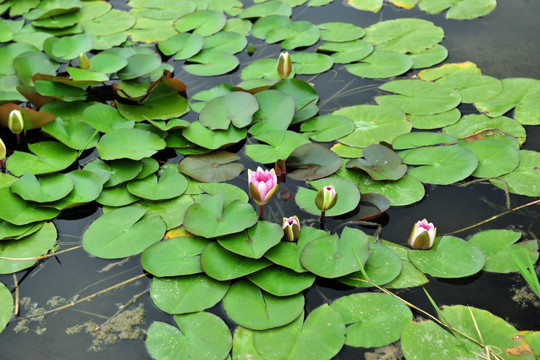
(333, 256)
(372, 319)
(174, 257)
(217, 166)
(430, 57)
(16, 211)
(262, 69)
(313, 161)
(74, 133)
(9, 231)
(280, 281)
(211, 63)
(346, 52)
(168, 184)
(270, 117)
(268, 8)
(44, 189)
(32, 62)
(107, 63)
(112, 23)
(404, 191)
(204, 137)
(380, 162)
(459, 10)
(305, 98)
(473, 87)
(524, 179)
(418, 97)
(474, 124)
(450, 257)
(227, 41)
(287, 254)
(373, 124)
(199, 292)
(441, 165)
(311, 63)
(404, 35)
(243, 345)
(222, 265)
(254, 242)
(236, 107)
(105, 118)
(418, 139)
(170, 211)
(184, 45)
(70, 47)
(123, 170)
(382, 266)
(199, 335)
(381, 64)
(122, 232)
(281, 145)
(366, 5)
(57, 90)
(266, 23)
(435, 121)
(340, 32)
(204, 22)
(210, 218)
(34, 245)
(132, 144)
(409, 276)
(497, 245)
(321, 336)
(495, 158)
(116, 196)
(305, 198)
(327, 128)
(252, 308)
(6, 306)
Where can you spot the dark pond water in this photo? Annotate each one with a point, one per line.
(503, 44)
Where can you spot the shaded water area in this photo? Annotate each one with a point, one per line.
(503, 44)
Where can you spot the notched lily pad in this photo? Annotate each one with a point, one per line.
(380, 162)
(217, 166)
(313, 161)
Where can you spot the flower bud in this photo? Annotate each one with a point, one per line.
(326, 198)
(291, 228)
(2, 150)
(16, 122)
(84, 62)
(284, 65)
(262, 185)
(423, 235)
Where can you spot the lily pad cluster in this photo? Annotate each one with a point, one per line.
(194, 228)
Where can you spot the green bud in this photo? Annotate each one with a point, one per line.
(326, 198)
(2, 150)
(284, 66)
(84, 62)
(16, 122)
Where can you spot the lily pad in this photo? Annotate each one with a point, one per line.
(380, 162)
(473, 87)
(211, 63)
(441, 165)
(252, 308)
(333, 256)
(268, 8)
(311, 63)
(210, 218)
(305, 98)
(346, 52)
(473, 125)
(44, 189)
(435, 121)
(182, 46)
(199, 335)
(105, 118)
(281, 145)
(525, 178)
(418, 139)
(217, 166)
(204, 22)
(236, 107)
(340, 32)
(327, 128)
(254, 242)
(429, 57)
(76, 134)
(199, 292)
(170, 211)
(204, 137)
(313, 161)
(372, 319)
(459, 10)
(174, 257)
(16, 211)
(134, 144)
(321, 336)
(168, 184)
(6, 306)
(280, 281)
(9, 231)
(495, 158)
(122, 232)
(450, 257)
(270, 117)
(381, 64)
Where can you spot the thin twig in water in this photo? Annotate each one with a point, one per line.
(16, 284)
(133, 300)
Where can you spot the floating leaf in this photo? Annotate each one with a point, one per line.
(46, 188)
(305, 98)
(450, 257)
(122, 232)
(204, 23)
(201, 335)
(268, 8)
(346, 52)
(168, 184)
(441, 165)
(372, 319)
(46, 157)
(280, 146)
(311, 63)
(327, 128)
(429, 57)
(473, 125)
(9, 231)
(217, 166)
(211, 62)
(170, 211)
(313, 161)
(184, 45)
(404, 191)
(473, 87)
(280, 281)
(210, 218)
(459, 10)
(420, 139)
(447, 69)
(252, 308)
(236, 107)
(380, 162)
(321, 336)
(381, 64)
(294, 35)
(254, 242)
(266, 23)
(418, 97)
(340, 32)
(76, 134)
(105, 118)
(495, 158)
(525, 178)
(334, 256)
(435, 121)
(132, 144)
(270, 117)
(199, 292)
(6, 306)
(366, 5)
(305, 198)
(227, 41)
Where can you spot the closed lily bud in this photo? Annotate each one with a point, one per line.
(284, 65)
(423, 235)
(16, 122)
(84, 62)
(291, 228)
(262, 185)
(2, 150)
(326, 198)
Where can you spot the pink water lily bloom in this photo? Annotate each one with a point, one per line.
(423, 235)
(262, 185)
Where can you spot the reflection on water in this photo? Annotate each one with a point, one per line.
(503, 44)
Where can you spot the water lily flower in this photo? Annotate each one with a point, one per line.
(284, 66)
(262, 186)
(291, 228)
(326, 198)
(423, 235)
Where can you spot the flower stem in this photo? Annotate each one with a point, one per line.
(261, 209)
(322, 216)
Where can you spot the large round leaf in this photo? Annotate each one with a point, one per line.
(313, 161)
(211, 63)
(204, 22)
(122, 232)
(34, 245)
(281, 143)
(320, 337)
(348, 196)
(460, 10)
(198, 292)
(450, 257)
(43, 189)
(255, 241)
(373, 124)
(132, 144)
(272, 117)
(380, 162)
(294, 34)
(202, 336)
(372, 319)
(473, 125)
(347, 52)
(168, 184)
(217, 166)
(236, 107)
(381, 64)
(46, 157)
(441, 165)
(280, 281)
(473, 87)
(171, 211)
(327, 128)
(76, 134)
(526, 177)
(16, 211)
(250, 307)
(495, 158)
(204, 137)
(211, 218)
(340, 31)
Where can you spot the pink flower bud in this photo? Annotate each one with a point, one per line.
(291, 228)
(326, 198)
(423, 235)
(262, 185)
